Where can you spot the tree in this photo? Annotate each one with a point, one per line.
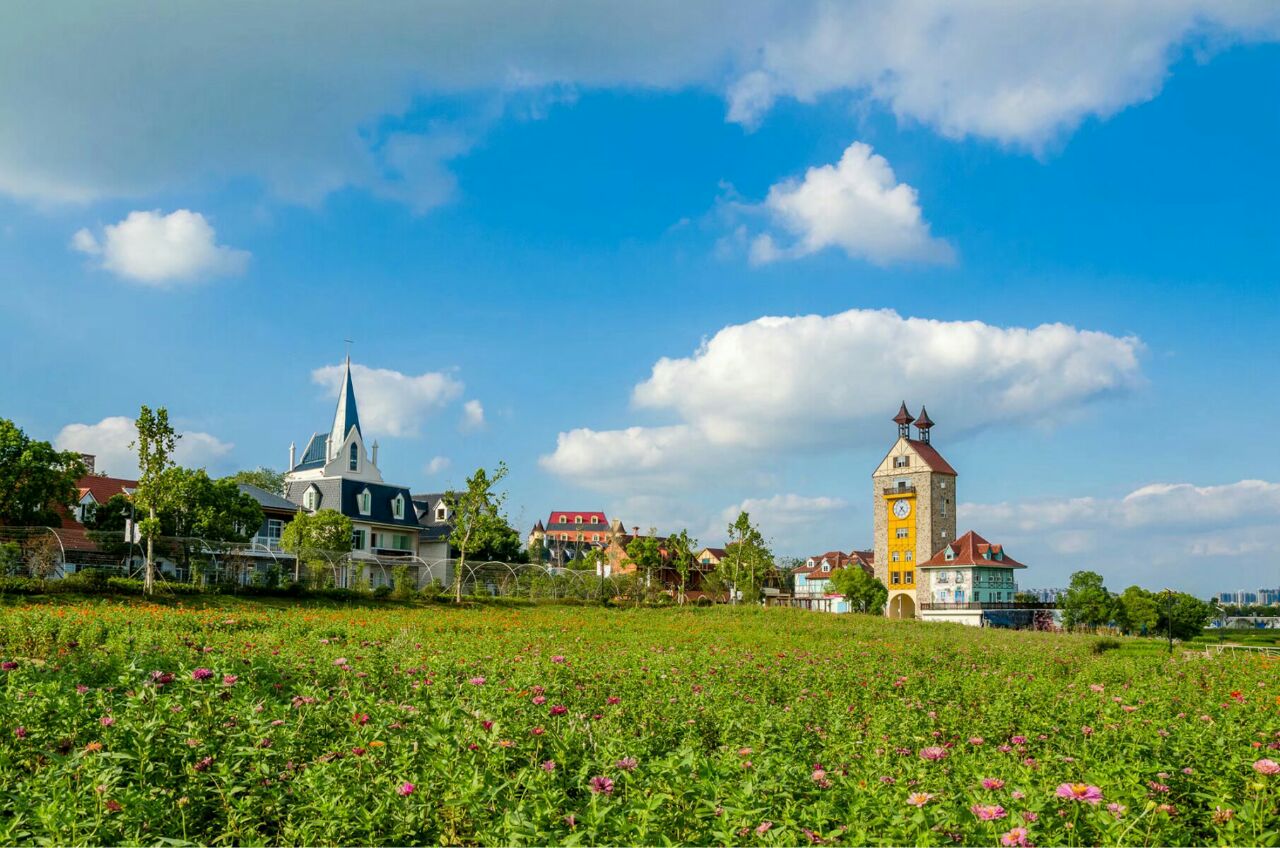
(645, 553)
(499, 544)
(477, 517)
(316, 538)
(681, 548)
(1087, 603)
(1181, 616)
(35, 479)
(155, 443)
(865, 593)
(1136, 611)
(43, 556)
(267, 479)
(537, 552)
(1024, 598)
(747, 561)
(203, 513)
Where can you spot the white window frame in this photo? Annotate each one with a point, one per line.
(365, 502)
(397, 506)
(442, 512)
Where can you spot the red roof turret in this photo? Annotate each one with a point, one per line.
(903, 418)
(923, 421)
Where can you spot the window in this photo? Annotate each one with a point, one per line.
(901, 461)
(564, 537)
(896, 578)
(895, 556)
(826, 566)
(357, 539)
(373, 540)
(950, 555)
(442, 512)
(563, 519)
(354, 461)
(311, 499)
(577, 519)
(943, 484)
(400, 542)
(595, 519)
(944, 509)
(909, 577)
(959, 576)
(595, 537)
(903, 532)
(275, 528)
(959, 596)
(366, 502)
(942, 577)
(397, 506)
(910, 555)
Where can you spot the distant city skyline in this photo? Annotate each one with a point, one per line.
(673, 262)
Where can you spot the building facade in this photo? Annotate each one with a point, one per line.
(914, 496)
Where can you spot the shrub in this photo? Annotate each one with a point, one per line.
(381, 593)
(1101, 646)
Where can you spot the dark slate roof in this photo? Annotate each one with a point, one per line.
(430, 528)
(266, 499)
(313, 456)
(350, 417)
(340, 493)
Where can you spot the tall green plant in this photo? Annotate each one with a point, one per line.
(477, 518)
(155, 445)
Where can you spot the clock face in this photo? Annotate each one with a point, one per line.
(902, 508)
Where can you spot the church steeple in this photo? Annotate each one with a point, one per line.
(345, 416)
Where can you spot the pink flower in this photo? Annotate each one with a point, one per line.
(600, 785)
(1097, 687)
(1086, 730)
(476, 681)
(405, 789)
(201, 674)
(8, 665)
(1018, 740)
(763, 828)
(106, 721)
(229, 680)
(988, 812)
(976, 740)
(819, 777)
(992, 783)
(558, 659)
(1116, 810)
(919, 799)
(1015, 837)
(20, 732)
(486, 724)
(626, 764)
(1266, 767)
(933, 752)
(539, 700)
(538, 731)
(340, 661)
(549, 766)
(559, 709)
(613, 699)
(1080, 792)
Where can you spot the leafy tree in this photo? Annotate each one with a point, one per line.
(477, 517)
(537, 552)
(1181, 616)
(10, 558)
(682, 548)
(499, 544)
(865, 593)
(155, 443)
(747, 562)
(1024, 598)
(35, 479)
(43, 556)
(203, 513)
(1136, 611)
(316, 538)
(1087, 603)
(645, 553)
(264, 478)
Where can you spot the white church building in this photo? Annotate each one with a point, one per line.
(337, 471)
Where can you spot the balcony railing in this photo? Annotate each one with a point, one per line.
(989, 605)
(900, 490)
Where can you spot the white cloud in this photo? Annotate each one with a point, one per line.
(109, 440)
(438, 464)
(777, 386)
(790, 522)
(391, 403)
(1201, 538)
(856, 205)
(308, 111)
(472, 416)
(157, 250)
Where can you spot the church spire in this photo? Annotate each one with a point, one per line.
(345, 416)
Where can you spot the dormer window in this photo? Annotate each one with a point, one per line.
(595, 519)
(826, 566)
(365, 502)
(442, 512)
(901, 461)
(354, 457)
(397, 506)
(577, 519)
(950, 555)
(311, 499)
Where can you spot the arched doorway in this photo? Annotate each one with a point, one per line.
(902, 605)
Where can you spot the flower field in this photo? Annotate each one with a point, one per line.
(252, 724)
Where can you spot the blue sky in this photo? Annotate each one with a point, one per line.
(531, 223)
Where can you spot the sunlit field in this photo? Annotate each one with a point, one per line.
(250, 724)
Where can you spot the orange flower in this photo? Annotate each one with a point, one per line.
(93, 747)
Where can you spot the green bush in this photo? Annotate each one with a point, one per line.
(381, 593)
(1101, 646)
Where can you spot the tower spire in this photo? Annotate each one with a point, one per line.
(903, 420)
(346, 415)
(923, 425)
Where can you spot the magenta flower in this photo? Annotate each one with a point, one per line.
(992, 783)
(988, 812)
(539, 700)
(476, 681)
(933, 752)
(600, 785)
(20, 732)
(1266, 767)
(106, 721)
(1080, 792)
(613, 699)
(549, 766)
(229, 680)
(626, 764)
(405, 789)
(1015, 837)
(1018, 740)
(558, 659)
(976, 740)
(559, 709)
(1086, 730)
(201, 674)
(8, 665)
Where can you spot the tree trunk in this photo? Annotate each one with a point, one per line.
(457, 573)
(149, 580)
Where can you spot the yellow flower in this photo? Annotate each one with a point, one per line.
(377, 744)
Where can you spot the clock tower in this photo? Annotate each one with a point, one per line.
(914, 491)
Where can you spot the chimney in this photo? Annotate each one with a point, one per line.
(375, 452)
(88, 459)
(293, 452)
